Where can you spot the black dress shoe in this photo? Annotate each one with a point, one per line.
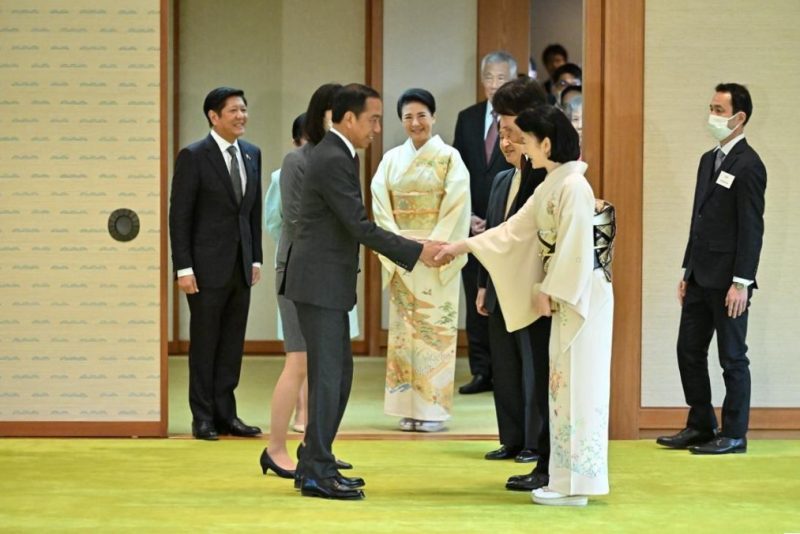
(340, 464)
(721, 445)
(527, 482)
(503, 453)
(350, 482)
(478, 384)
(204, 430)
(684, 438)
(267, 463)
(237, 427)
(526, 456)
(329, 488)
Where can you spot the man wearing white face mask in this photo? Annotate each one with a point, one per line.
(720, 266)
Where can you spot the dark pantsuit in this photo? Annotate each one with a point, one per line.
(703, 313)
(217, 327)
(477, 325)
(330, 376)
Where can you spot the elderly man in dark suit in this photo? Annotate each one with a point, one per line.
(476, 139)
(215, 227)
(321, 274)
(720, 263)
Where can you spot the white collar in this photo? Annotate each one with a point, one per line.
(346, 141)
(222, 143)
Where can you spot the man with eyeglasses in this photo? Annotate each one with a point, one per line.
(476, 138)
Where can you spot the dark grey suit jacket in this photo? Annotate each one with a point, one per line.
(727, 227)
(292, 173)
(206, 224)
(469, 141)
(322, 264)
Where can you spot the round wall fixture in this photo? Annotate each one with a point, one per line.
(123, 224)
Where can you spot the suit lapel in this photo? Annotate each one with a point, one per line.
(727, 164)
(217, 162)
(250, 170)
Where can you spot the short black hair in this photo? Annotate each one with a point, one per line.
(422, 96)
(297, 128)
(740, 98)
(514, 97)
(321, 101)
(215, 100)
(570, 89)
(570, 68)
(551, 123)
(352, 97)
(554, 49)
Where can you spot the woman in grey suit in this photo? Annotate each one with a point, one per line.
(293, 376)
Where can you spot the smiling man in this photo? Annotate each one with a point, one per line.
(215, 227)
(321, 273)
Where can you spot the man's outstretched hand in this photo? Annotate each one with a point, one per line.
(431, 256)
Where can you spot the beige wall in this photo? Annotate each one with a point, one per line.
(689, 48)
(556, 21)
(79, 114)
(419, 51)
(279, 53)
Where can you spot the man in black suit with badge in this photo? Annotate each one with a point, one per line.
(720, 263)
(476, 139)
(215, 228)
(320, 278)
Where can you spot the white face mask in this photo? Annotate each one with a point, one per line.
(718, 126)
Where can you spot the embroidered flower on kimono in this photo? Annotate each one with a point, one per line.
(552, 204)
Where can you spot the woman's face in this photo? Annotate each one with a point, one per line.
(327, 122)
(537, 151)
(417, 122)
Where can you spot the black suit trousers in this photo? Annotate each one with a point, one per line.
(704, 313)
(520, 370)
(330, 377)
(217, 327)
(477, 325)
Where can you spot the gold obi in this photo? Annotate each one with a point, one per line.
(416, 210)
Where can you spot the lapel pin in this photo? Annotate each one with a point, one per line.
(247, 156)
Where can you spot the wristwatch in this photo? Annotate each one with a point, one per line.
(739, 285)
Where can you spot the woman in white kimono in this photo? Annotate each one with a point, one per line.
(421, 191)
(543, 261)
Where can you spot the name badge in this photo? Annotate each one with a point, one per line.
(725, 179)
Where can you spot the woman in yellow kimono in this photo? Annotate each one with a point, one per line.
(544, 263)
(421, 191)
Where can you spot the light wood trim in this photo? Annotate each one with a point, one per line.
(269, 347)
(163, 253)
(503, 25)
(760, 418)
(176, 86)
(592, 142)
(622, 184)
(83, 429)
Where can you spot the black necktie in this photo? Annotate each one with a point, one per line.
(358, 166)
(236, 176)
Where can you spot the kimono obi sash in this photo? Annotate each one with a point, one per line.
(416, 210)
(604, 230)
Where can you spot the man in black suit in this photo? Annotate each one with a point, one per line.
(476, 138)
(215, 227)
(321, 274)
(520, 359)
(720, 263)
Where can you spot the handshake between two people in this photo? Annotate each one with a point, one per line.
(439, 253)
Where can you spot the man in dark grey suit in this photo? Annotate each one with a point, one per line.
(720, 265)
(321, 274)
(215, 227)
(476, 139)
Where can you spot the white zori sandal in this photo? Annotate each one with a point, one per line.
(549, 497)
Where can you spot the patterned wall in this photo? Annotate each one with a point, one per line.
(79, 138)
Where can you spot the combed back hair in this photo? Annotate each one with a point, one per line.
(422, 96)
(740, 98)
(570, 68)
(514, 97)
(297, 128)
(550, 122)
(352, 97)
(216, 98)
(321, 101)
(554, 49)
(500, 56)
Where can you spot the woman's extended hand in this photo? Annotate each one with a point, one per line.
(543, 305)
(452, 250)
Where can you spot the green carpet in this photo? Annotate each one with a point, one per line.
(472, 414)
(181, 485)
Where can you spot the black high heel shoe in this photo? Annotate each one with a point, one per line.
(267, 463)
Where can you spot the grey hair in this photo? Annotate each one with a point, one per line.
(500, 56)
